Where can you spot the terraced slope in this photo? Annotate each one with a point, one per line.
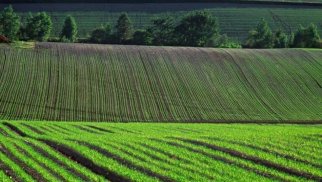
(235, 20)
(51, 151)
(136, 83)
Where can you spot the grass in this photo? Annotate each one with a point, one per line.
(159, 152)
(234, 20)
(23, 45)
(82, 82)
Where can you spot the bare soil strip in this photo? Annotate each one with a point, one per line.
(100, 129)
(138, 157)
(57, 161)
(224, 160)
(63, 128)
(155, 157)
(171, 156)
(125, 162)
(286, 156)
(9, 172)
(86, 129)
(254, 159)
(4, 133)
(124, 130)
(46, 129)
(36, 130)
(24, 166)
(59, 129)
(57, 175)
(15, 129)
(77, 157)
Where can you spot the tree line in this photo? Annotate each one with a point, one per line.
(197, 28)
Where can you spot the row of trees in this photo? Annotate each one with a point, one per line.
(36, 27)
(195, 29)
(263, 37)
(198, 28)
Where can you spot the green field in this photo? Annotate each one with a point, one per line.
(72, 112)
(89, 82)
(51, 151)
(234, 20)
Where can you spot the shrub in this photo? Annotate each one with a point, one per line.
(10, 23)
(102, 35)
(223, 41)
(142, 37)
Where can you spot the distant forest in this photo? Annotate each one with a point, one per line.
(272, 2)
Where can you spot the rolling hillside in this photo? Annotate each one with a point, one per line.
(235, 20)
(137, 83)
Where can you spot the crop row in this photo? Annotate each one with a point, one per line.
(50, 151)
(130, 83)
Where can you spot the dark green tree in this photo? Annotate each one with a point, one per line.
(124, 30)
(162, 31)
(196, 29)
(142, 37)
(280, 40)
(69, 31)
(9, 23)
(261, 37)
(291, 39)
(38, 27)
(102, 34)
(307, 37)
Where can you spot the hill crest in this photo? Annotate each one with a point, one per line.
(92, 82)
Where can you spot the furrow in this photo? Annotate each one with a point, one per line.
(77, 157)
(254, 159)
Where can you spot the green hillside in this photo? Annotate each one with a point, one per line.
(123, 152)
(137, 83)
(234, 20)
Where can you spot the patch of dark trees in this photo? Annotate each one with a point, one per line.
(195, 29)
